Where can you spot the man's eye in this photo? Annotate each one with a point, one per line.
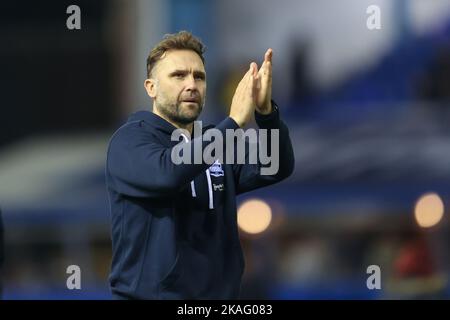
(200, 77)
(178, 75)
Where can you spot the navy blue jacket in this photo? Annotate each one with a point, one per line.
(174, 227)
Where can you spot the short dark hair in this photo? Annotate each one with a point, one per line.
(182, 40)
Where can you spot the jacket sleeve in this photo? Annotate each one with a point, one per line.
(138, 165)
(249, 176)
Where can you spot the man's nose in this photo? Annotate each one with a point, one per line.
(191, 84)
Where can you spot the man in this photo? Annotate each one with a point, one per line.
(174, 226)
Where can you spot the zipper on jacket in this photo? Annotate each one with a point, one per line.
(210, 192)
(194, 194)
(208, 177)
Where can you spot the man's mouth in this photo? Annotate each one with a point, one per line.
(193, 100)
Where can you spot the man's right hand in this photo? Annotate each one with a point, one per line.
(244, 99)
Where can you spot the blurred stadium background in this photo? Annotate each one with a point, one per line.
(368, 110)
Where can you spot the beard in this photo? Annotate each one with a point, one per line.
(181, 112)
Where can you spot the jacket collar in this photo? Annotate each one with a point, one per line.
(157, 122)
(152, 119)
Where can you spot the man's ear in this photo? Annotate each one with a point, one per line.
(151, 87)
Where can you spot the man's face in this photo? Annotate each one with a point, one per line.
(179, 86)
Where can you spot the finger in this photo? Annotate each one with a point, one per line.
(253, 73)
(248, 79)
(266, 67)
(255, 89)
(246, 76)
(249, 71)
(268, 55)
(251, 83)
(266, 70)
(250, 86)
(254, 78)
(254, 68)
